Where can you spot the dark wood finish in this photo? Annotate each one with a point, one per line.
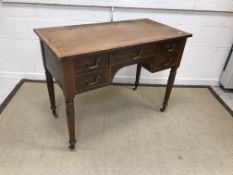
(50, 86)
(69, 93)
(49, 81)
(91, 80)
(53, 65)
(146, 62)
(138, 73)
(170, 83)
(133, 53)
(169, 54)
(70, 113)
(91, 63)
(86, 57)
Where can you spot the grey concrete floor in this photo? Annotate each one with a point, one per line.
(225, 95)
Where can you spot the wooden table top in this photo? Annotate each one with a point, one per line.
(76, 40)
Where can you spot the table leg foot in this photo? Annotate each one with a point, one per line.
(55, 113)
(71, 121)
(72, 144)
(163, 108)
(170, 83)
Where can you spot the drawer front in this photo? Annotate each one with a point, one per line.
(91, 63)
(134, 53)
(168, 54)
(91, 80)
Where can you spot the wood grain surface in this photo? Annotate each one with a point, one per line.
(76, 40)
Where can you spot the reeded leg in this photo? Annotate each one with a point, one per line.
(50, 85)
(71, 121)
(139, 67)
(169, 87)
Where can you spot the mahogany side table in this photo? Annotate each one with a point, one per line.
(85, 57)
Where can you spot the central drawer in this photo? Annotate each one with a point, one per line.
(133, 54)
(84, 82)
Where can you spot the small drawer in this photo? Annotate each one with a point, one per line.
(167, 54)
(134, 53)
(91, 63)
(91, 80)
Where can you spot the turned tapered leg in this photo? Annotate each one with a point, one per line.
(50, 85)
(169, 87)
(70, 113)
(139, 67)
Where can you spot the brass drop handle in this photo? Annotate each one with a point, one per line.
(166, 64)
(94, 66)
(171, 49)
(94, 82)
(139, 55)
